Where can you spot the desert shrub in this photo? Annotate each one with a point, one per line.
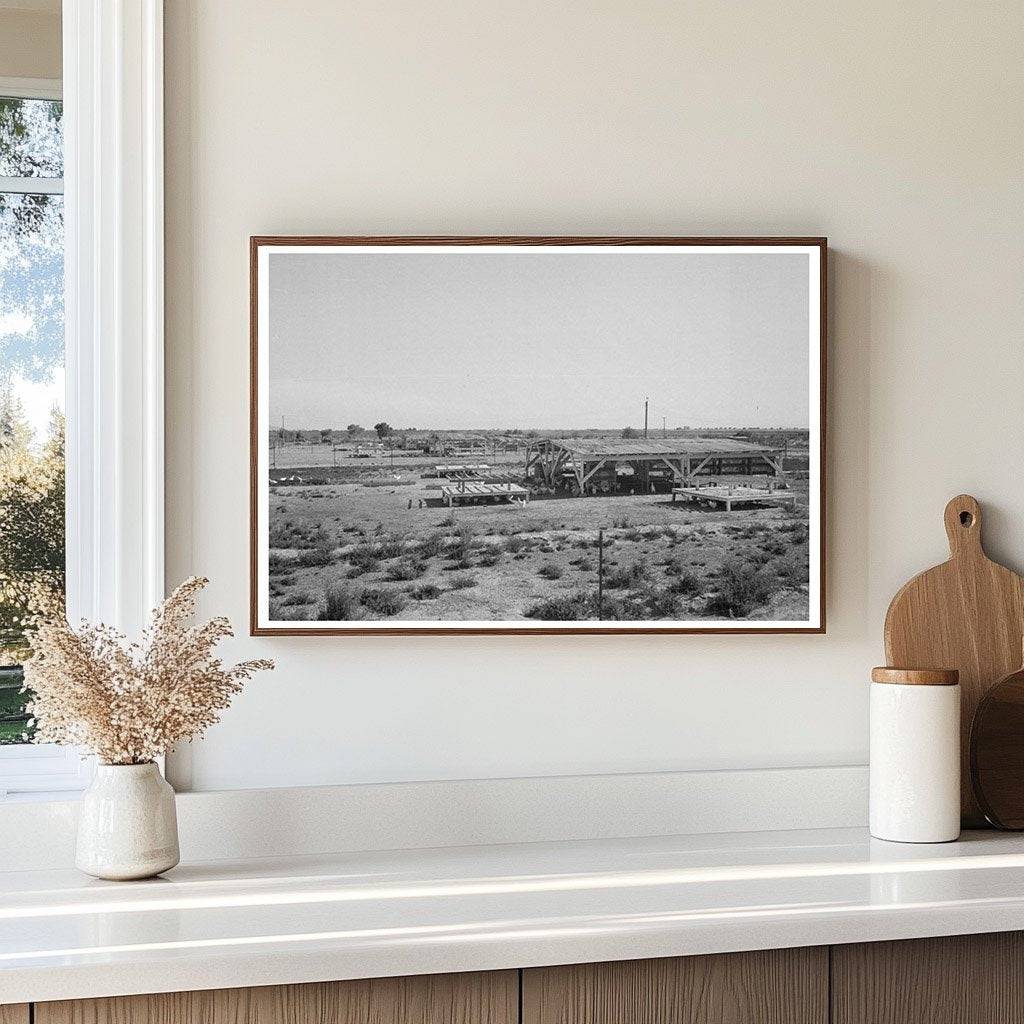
(302, 597)
(282, 535)
(463, 545)
(489, 556)
(792, 569)
(662, 604)
(796, 533)
(621, 524)
(405, 569)
(425, 592)
(583, 563)
(685, 583)
(431, 545)
(773, 546)
(566, 608)
(363, 557)
(629, 576)
(391, 546)
(516, 543)
(289, 614)
(340, 604)
(462, 581)
(383, 602)
(632, 534)
(278, 562)
(447, 521)
(629, 608)
(742, 587)
(314, 557)
(550, 571)
(318, 538)
(531, 526)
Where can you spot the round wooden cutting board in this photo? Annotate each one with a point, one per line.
(997, 752)
(967, 614)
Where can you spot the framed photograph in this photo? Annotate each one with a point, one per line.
(537, 435)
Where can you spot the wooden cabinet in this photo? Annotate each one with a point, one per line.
(971, 979)
(963, 979)
(490, 998)
(777, 986)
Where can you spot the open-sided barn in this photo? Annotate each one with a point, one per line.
(596, 465)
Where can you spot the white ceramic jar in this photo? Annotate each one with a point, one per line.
(127, 825)
(915, 755)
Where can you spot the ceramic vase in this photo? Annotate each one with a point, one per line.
(127, 825)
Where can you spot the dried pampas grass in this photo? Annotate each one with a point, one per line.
(129, 703)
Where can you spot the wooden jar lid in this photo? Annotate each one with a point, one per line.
(916, 676)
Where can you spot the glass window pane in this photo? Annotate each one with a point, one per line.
(31, 138)
(31, 432)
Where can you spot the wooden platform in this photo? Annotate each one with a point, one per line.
(730, 497)
(476, 493)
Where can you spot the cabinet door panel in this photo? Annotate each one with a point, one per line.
(481, 998)
(961, 979)
(14, 1013)
(778, 986)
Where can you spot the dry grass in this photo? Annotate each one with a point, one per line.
(505, 562)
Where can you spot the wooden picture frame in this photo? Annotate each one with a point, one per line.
(567, 465)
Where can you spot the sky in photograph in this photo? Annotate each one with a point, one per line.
(538, 340)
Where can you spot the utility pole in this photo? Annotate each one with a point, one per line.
(645, 418)
(600, 574)
(664, 429)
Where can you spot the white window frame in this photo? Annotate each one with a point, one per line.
(114, 324)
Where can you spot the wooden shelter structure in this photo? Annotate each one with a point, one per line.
(591, 462)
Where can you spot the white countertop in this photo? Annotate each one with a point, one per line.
(261, 922)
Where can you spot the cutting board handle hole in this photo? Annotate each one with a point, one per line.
(966, 519)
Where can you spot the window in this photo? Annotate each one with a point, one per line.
(81, 200)
(32, 530)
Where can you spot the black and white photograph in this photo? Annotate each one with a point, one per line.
(537, 435)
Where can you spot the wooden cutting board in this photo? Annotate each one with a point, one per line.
(997, 752)
(967, 614)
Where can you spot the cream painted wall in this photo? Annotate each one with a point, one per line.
(895, 129)
(30, 42)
